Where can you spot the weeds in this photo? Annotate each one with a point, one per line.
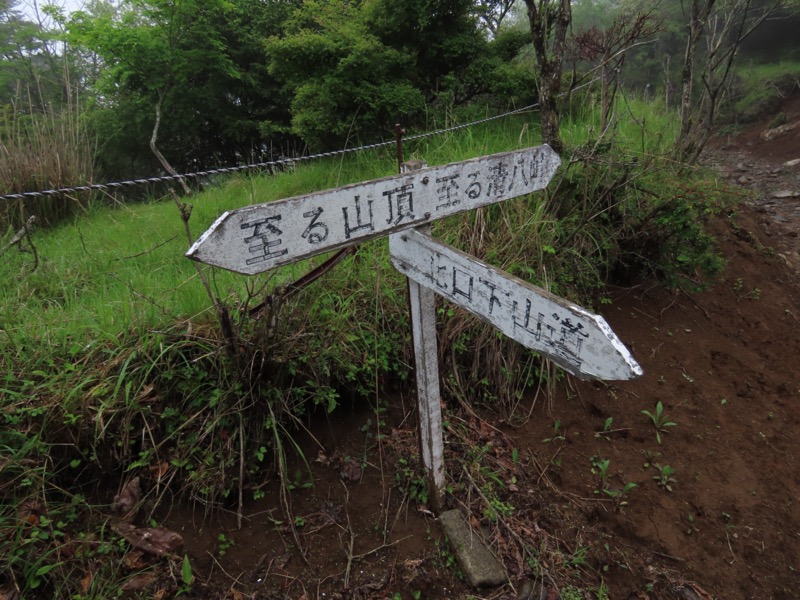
(115, 366)
(42, 150)
(659, 420)
(664, 477)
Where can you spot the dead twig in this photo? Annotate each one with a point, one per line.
(23, 233)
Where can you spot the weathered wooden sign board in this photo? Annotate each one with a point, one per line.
(258, 238)
(577, 340)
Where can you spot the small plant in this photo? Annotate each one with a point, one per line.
(600, 469)
(410, 482)
(664, 477)
(187, 576)
(224, 544)
(556, 433)
(738, 287)
(606, 428)
(660, 420)
(620, 495)
(498, 508)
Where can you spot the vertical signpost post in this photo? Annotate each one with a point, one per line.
(258, 238)
(422, 306)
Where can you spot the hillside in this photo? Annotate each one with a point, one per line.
(714, 508)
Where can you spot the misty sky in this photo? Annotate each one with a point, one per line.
(28, 6)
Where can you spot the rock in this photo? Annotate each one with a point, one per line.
(532, 589)
(480, 566)
(771, 134)
(784, 194)
(792, 163)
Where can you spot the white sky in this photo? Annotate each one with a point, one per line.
(28, 7)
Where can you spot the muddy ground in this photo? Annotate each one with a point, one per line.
(715, 511)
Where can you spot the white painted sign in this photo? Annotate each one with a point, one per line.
(579, 341)
(257, 238)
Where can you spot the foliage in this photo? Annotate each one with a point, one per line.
(659, 419)
(355, 69)
(199, 60)
(113, 354)
(341, 74)
(44, 150)
(759, 89)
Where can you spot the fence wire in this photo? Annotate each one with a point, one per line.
(115, 185)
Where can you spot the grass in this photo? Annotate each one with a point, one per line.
(758, 89)
(42, 150)
(117, 364)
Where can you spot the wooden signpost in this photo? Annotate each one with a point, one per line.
(257, 238)
(577, 340)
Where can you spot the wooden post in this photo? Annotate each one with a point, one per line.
(429, 402)
(421, 301)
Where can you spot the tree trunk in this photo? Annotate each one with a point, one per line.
(164, 163)
(735, 21)
(697, 21)
(546, 17)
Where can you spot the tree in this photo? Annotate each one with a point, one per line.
(492, 13)
(608, 47)
(188, 74)
(723, 25)
(343, 80)
(31, 71)
(549, 22)
(354, 68)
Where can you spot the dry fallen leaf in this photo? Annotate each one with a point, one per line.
(86, 582)
(29, 511)
(146, 390)
(128, 498)
(158, 541)
(138, 582)
(8, 594)
(351, 471)
(158, 470)
(134, 560)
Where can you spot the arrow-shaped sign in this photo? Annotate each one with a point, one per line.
(579, 341)
(257, 238)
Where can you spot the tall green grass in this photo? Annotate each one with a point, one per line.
(758, 89)
(114, 269)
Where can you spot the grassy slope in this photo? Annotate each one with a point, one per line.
(112, 336)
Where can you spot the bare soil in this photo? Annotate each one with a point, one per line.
(725, 523)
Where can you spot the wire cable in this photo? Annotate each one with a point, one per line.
(262, 165)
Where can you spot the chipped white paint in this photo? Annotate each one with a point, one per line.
(257, 238)
(429, 400)
(579, 341)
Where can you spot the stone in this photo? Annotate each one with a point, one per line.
(784, 194)
(480, 567)
(792, 163)
(771, 134)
